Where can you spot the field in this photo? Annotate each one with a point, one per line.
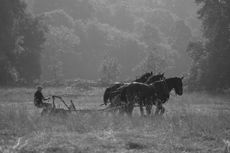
(193, 123)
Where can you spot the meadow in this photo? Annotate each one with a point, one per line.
(193, 123)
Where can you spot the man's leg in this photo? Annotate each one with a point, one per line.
(47, 105)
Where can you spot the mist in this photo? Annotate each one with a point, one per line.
(126, 32)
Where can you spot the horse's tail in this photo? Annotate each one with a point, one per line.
(106, 96)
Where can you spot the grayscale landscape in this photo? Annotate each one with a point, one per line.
(106, 76)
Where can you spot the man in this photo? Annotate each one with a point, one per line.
(39, 98)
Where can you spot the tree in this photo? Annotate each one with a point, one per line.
(152, 62)
(162, 19)
(21, 38)
(9, 12)
(180, 35)
(78, 9)
(32, 37)
(60, 41)
(179, 40)
(151, 35)
(58, 18)
(215, 17)
(182, 8)
(109, 70)
(198, 55)
(125, 29)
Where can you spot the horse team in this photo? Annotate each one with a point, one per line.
(146, 91)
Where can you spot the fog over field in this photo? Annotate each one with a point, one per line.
(77, 38)
(144, 76)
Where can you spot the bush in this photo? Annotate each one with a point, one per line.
(109, 70)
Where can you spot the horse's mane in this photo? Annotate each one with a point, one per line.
(154, 78)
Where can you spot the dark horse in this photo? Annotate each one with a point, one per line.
(115, 95)
(143, 95)
(109, 93)
(172, 83)
(154, 94)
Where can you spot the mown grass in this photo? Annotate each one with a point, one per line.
(192, 123)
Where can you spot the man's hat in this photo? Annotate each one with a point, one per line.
(39, 87)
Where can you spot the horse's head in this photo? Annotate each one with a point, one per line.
(155, 78)
(178, 85)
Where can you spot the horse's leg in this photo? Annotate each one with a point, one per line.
(148, 109)
(157, 111)
(141, 108)
(129, 109)
(162, 110)
(115, 103)
(158, 106)
(122, 109)
(129, 104)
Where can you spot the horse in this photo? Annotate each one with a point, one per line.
(143, 95)
(116, 95)
(162, 94)
(115, 100)
(109, 92)
(172, 83)
(152, 79)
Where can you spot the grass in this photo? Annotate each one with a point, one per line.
(192, 123)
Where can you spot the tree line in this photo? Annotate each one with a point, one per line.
(56, 40)
(210, 55)
(21, 39)
(127, 32)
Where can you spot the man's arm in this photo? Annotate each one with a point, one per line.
(43, 98)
